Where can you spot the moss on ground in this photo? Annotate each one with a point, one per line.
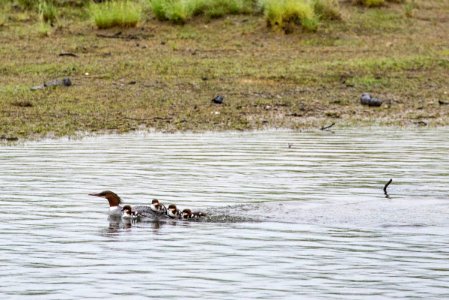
(163, 76)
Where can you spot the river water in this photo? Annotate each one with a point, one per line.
(306, 221)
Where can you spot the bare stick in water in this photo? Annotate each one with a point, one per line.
(386, 186)
(327, 127)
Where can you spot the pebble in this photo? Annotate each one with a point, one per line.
(366, 99)
(218, 100)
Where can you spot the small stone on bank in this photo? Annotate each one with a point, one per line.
(366, 99)
(218, 100)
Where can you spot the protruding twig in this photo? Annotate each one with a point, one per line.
(327, 127)
(68, 54)
(386, 186)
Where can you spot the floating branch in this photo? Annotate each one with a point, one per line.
(386, 186)
(327, 127)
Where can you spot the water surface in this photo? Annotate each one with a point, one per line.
(307, 221)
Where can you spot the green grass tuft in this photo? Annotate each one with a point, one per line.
(116, 14)
(285, 14)
(327, 9)
(369, 3)
(176, 11)
(180, 11)
(47, 12)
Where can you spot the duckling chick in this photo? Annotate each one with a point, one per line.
(129, 214)
(158, 207)
(173, 212)
(188, 214)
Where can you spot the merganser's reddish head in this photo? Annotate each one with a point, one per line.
(113, 198)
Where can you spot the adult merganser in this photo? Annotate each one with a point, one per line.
(116, 210)
(158, 207)
(188, 214)
(129, 214)
(173, 212)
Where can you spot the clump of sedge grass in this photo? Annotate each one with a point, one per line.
(220, 8)
(116, 13)
(286, 14)
(180, 11)
(409, 9)
(375, 3)
(47, 12)
(2, 20)
(44, 29)
(27, 4)
(369, 3)
(327, 9)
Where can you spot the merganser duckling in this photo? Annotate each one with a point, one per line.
(188, 214)
(173, 212)
(158, 207)
(116, 210)
(129, 214)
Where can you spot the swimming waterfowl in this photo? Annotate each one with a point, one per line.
(158, 207)
(115, 209)
(188, 214)
(129, 214)
(173, 212)
(154, 211)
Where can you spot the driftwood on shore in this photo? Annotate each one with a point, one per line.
(327, 127)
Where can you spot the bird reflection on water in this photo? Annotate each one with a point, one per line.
(117, 224)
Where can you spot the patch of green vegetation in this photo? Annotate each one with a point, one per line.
(44, 29)
(180, 11)
(116, 13)
(370, 3)
(27, 4)
(410, 8)
(369, 82)
(47, 12)
(327, 9)
(286, 14)
(375, 3)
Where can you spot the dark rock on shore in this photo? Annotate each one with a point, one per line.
(218, 100)
(366, 99)
(62, 82)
